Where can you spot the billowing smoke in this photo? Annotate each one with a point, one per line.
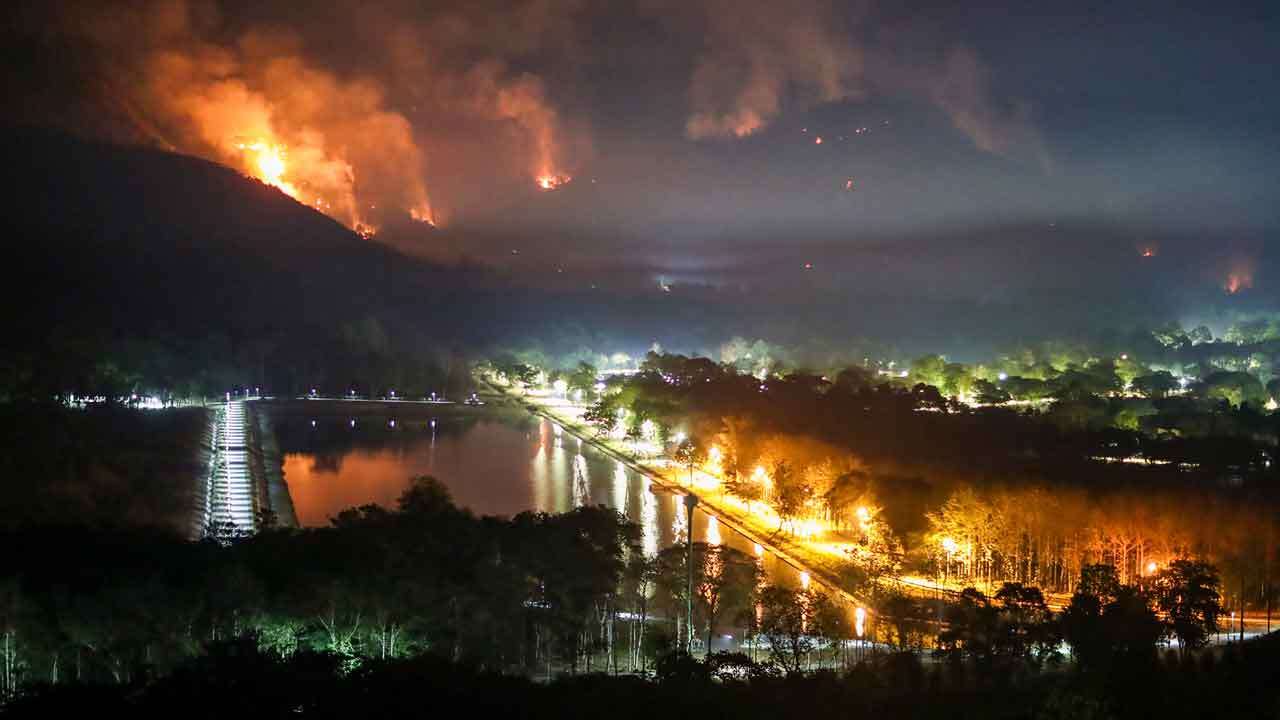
(378, 112)
(261, 107)
(756, 55)
(521, 99)
(961, 91)
(760, 56)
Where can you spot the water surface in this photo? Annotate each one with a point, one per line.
(494, 462)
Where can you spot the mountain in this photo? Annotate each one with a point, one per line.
(118, 251)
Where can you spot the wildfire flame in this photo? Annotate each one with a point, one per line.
(552, 181)
(1148, 251)
(269, 160)
(422, 215)
(1238, 280)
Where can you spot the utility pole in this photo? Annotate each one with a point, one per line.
(1242, 605)
(690, 502)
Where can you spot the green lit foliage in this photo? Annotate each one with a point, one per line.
(1236, 388)
(989, 393)
(583, 379)
(1155, 385)
(602, 415)
(929, 369)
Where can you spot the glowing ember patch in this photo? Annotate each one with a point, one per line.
(817, 140)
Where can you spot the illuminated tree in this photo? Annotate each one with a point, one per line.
(724, 582)
(1020, 388)
(1186, 591)
(1107, 622)
(583, 379)
(602, 415)
(988, 393)
(688, 455)
(1248, 332)
(1171, 335)
(788, 619)
(957, 380)
(1155, 385)
(929, 369)
(791, 492)
(1236, 388)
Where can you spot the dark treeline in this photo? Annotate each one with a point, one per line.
(235, 678)
(239, 677)
(123, 606)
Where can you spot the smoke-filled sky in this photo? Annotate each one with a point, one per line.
(983, 154)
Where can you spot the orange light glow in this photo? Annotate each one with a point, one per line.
(817, 140)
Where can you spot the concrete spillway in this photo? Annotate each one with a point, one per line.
(244, 490)
(233, 495)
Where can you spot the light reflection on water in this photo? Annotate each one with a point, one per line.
(497, 464)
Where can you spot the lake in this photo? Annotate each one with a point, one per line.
(495, 461)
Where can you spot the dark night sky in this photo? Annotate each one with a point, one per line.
(1013, 153)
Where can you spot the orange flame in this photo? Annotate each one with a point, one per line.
(1238, 280)
(269, 160)
(1149, 251)
(422, 215)
(552, 181)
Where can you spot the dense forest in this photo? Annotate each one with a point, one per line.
(928, 483)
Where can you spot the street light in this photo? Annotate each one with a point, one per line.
(690, 502)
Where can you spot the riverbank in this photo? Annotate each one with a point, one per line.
(823, 568)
